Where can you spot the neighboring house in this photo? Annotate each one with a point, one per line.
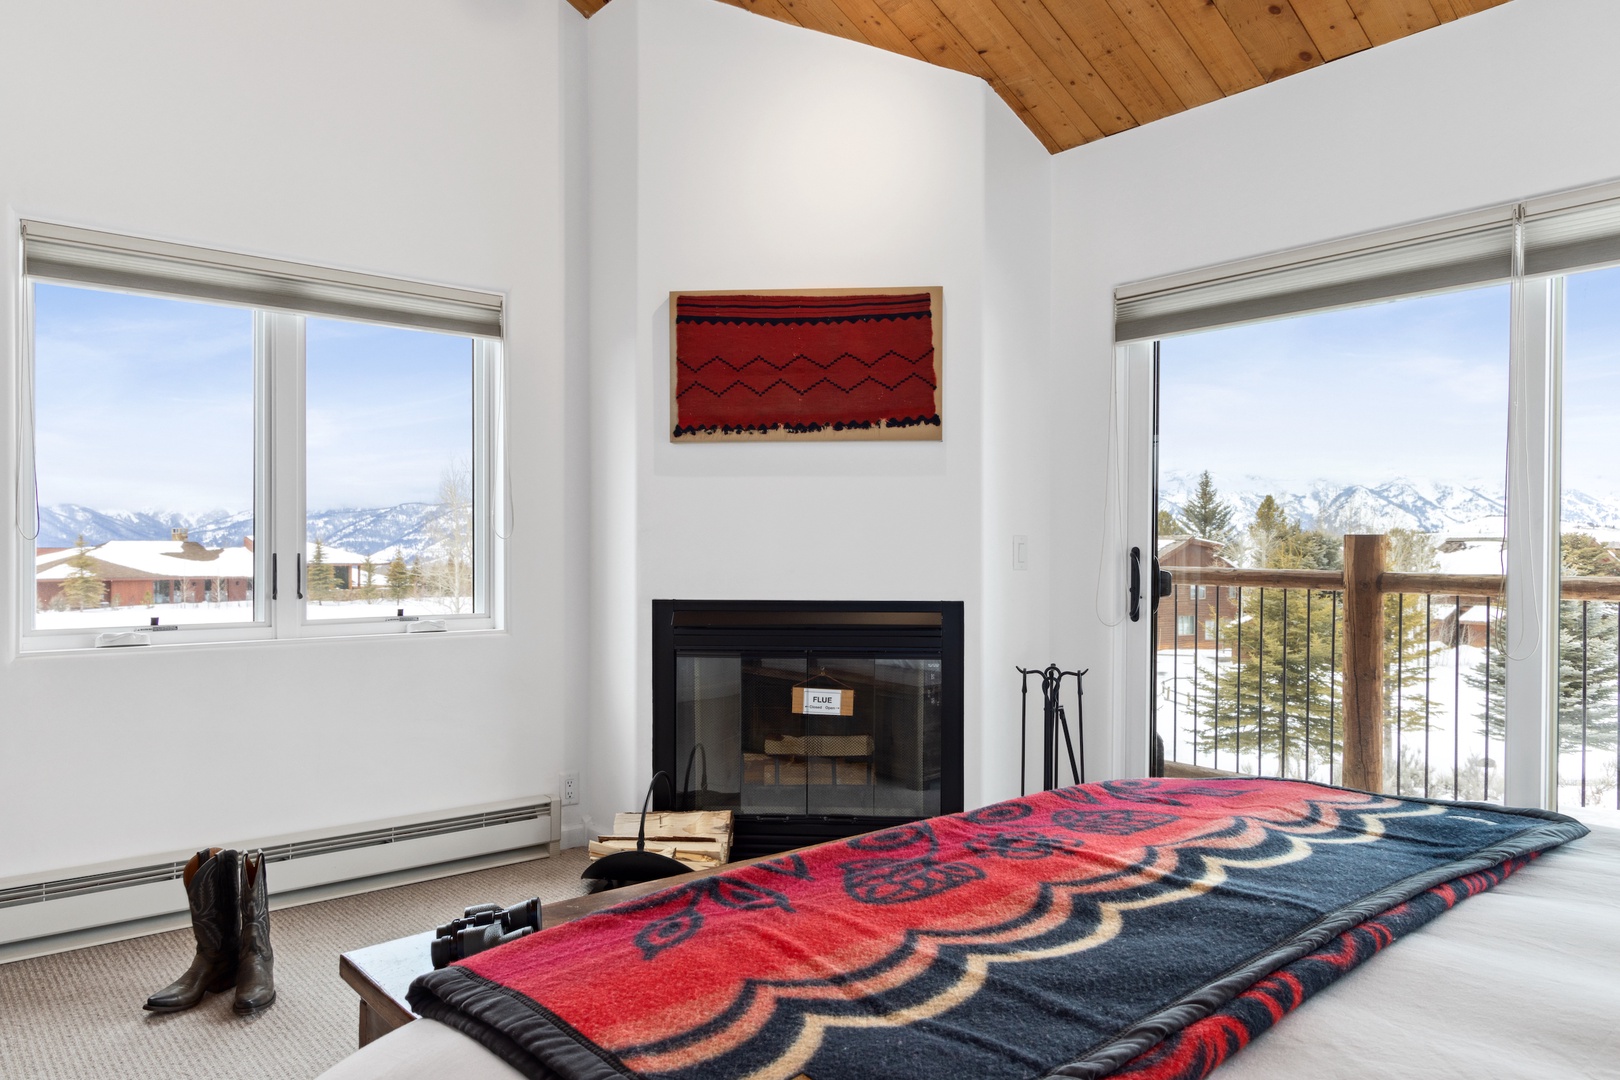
(1477, 548)
(140, 572)
(1187, 617)
(346, 565)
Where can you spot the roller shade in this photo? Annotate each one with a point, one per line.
(85, 257)
(1477, 252)
(1560, 239)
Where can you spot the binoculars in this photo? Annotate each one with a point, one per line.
(483, 926)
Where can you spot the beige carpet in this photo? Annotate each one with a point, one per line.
(78, 1014)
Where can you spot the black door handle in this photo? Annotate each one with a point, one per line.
(1136, 584)
(1162, 584)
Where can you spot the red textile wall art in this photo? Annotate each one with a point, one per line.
(806, 364)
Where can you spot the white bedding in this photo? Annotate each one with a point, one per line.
(1522, 981)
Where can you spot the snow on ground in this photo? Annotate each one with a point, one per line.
(1453, 735)
(211, 614)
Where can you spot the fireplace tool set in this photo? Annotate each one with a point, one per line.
(1054, 722)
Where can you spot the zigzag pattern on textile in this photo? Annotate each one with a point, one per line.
(762, 391)
(796, 358)
(751, 364)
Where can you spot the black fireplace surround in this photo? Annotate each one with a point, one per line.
(809, 720)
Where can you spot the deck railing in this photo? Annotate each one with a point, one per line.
(1361, 677)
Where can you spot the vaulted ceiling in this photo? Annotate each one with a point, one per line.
(1077, 70)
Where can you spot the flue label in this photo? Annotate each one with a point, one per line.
(824, 702)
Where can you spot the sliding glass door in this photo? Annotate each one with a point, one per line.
(1382, 477)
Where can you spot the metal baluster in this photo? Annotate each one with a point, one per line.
(1237, 691)
(1584, 668)
(1260, 694)
(1456, 698)
(1428, 681)
(1282, 717)
(1400, 678)
(1175, 668)
(1487, 795)
(1196, 628)
(1309, 627)
(1215, 690)
(1333, 680)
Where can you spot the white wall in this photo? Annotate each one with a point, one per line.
(1508, 103)
(733, 152)
(423, 138)
(1019, 414)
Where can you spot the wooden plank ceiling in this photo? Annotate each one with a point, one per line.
(1078, 70)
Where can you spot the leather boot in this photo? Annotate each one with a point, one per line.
(255, 974)
(210, 879)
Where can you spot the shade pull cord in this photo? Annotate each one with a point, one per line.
(503, 523)
(1110, 599)
(1524, 619)
(27, 469)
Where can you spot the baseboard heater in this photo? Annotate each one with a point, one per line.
(134, 892)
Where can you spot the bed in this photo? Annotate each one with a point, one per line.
(1518, 972)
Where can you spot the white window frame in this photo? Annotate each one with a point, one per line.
(280, 514)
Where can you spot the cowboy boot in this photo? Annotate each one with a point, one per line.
(255, 975)
(210, 880)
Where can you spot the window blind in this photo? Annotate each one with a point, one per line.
(1573, 232)
(86, 257)
(1461, 252)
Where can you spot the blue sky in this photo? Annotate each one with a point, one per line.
(1592, 383)
(147, 403)
(1414, 388)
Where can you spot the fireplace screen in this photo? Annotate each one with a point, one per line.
(809, 720)
(808, 734)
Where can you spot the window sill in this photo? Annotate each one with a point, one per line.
(252, 637)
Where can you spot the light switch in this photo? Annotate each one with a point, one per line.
(1020, 553)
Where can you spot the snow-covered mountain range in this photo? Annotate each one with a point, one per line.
(365, 532)
(1402, 502)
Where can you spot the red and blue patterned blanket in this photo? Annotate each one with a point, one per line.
(1145, 929)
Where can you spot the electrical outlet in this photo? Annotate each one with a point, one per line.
(570, 789)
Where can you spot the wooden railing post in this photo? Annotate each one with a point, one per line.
(1363, 762)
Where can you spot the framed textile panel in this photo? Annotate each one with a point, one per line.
(805, 364)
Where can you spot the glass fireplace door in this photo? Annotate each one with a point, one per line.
(808, 734)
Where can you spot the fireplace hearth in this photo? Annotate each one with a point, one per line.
(809, 720)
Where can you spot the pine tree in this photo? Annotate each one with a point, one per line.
(399, 577)
(82, 588)
(1270, 705)
(1588, 637)
(1205, 514)
(320, 582)
(1270, 529)
(1287, 662)
(1168, 525)
(368, 579)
